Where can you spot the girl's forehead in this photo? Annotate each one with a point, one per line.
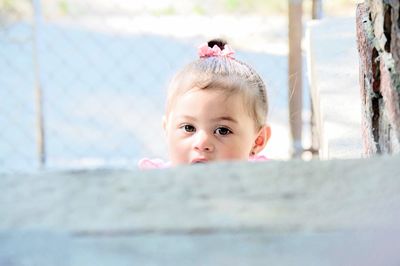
(211, 96)
(208, 103)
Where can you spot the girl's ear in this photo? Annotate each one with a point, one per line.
(261, 140)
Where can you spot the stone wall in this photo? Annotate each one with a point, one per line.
(378, 33)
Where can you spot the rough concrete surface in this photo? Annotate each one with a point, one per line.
(340, 212)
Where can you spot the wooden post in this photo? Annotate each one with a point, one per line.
(316, 9)
(295, 75)
(40, 135)
(316, 14)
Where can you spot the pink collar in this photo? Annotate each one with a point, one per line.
(145, 163)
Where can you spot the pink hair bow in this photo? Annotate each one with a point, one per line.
(205, 51)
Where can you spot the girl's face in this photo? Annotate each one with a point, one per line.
(206, 125)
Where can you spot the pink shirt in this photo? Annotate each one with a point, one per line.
(146, 163)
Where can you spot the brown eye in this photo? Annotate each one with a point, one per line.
(189, 128)
(223, 131)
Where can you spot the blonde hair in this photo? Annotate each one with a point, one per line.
(226, 74)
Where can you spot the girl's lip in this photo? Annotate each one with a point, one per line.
(199, 160)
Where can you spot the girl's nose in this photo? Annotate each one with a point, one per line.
(203, 142)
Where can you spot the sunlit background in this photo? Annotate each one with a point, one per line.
(103, 67)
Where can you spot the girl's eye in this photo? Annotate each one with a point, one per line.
(223, 131)
(189, 128)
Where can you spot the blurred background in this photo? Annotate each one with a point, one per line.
(83, 82)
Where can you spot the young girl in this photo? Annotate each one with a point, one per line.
(216, 110)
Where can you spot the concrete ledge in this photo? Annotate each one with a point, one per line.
(216, 214)
(227, 197)
(332, 61)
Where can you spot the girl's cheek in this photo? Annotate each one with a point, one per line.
(182, 135)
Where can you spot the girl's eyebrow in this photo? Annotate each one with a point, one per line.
(187, 117)
(227, 118)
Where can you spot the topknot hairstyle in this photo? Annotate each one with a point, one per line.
(223, 73)
(218, 42)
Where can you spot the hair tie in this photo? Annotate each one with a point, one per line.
(205, 51)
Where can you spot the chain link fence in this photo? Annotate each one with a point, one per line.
(83, 83)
